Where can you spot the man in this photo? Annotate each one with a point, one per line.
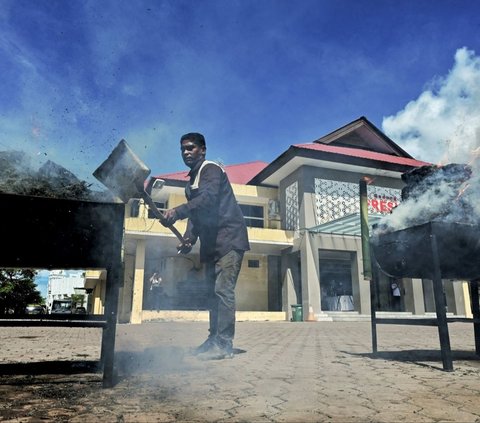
(156, 290)
(397, 296)
(215, 218)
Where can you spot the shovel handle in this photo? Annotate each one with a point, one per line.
(159, 215)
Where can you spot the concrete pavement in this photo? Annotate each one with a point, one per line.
(281, 372)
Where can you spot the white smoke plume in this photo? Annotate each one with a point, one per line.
(442, 126)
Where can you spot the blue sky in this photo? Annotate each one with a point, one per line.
(254, 76)
(42, 282)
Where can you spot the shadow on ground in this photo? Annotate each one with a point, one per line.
(419, 357)
(151, 361)
(50, 367)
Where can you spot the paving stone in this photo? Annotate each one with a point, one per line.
(281, 372)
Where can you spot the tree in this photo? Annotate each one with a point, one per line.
(17, 290)
(78, 299)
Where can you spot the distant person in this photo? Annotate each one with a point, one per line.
(156, 290)
(215, 218)
(397, 296)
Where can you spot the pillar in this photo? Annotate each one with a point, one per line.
(138, 278)
(468, 302)
(289, 295)
(413, 298)
(126, 292)
(310, 276)
(460, 303)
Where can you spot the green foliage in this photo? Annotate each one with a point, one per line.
(17, 290)
(78, 299)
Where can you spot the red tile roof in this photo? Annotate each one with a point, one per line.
(364, 154)
(237, 174)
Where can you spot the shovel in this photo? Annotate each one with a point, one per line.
(125, 174)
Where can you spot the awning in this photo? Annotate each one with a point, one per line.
(346, 225)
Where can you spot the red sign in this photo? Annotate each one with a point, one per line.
(383, 205)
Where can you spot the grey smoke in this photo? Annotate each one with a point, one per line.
(20, 175)
(449, 194)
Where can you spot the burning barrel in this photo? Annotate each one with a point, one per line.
(52, 233)
(407, 253)
(433, 235)
(48, 232)
(432, 205)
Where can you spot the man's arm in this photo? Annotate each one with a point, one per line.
(190, 238)
(207, 195)
(208, 192)
(190, 233)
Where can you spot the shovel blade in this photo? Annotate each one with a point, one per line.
(123, 173)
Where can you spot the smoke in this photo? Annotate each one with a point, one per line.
(18, 175)
(158, 360)
(442, 126)
(434, 193)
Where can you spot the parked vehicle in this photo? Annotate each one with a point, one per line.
(66, 307)
(61, 307)
(35, 309)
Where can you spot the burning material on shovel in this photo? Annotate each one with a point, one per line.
(124, 174)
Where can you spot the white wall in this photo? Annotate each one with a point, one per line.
(61, 284)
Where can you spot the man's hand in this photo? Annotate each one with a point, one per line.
(169, 217)
(185, 247)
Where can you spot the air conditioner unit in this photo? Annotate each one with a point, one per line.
(273, 209)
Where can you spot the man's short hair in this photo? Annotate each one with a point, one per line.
(195, 137)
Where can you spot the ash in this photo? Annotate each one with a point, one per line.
(17, 176)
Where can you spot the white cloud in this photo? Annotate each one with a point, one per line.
(443, 124)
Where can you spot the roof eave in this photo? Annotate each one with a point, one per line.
(294, 151)
(284, 158)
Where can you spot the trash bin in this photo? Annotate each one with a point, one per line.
(297, 313)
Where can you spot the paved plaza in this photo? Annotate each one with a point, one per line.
(281, 372)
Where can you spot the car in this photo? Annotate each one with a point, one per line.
(80, 310)
(35, 309)
(61, 307)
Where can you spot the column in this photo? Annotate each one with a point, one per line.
(310, 277)
(309, 259)
(288, 293)
(414, 296)
(138, 278)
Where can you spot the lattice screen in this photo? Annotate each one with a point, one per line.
(335, 199)
(292, 213)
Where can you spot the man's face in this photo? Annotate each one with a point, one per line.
(192, 153)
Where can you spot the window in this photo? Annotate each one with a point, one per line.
(134, 208)
(254, 263)
(253, 215)
(160, 206)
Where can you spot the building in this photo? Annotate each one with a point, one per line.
(302, 212)
(62, 284)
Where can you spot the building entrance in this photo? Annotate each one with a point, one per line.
(336, 281)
